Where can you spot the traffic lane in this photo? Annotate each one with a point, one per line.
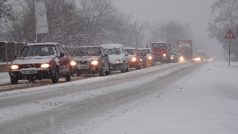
(81, 111)
(53, 90)
(5, 84)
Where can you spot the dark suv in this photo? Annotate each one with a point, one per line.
(91, 60)
(41, 61)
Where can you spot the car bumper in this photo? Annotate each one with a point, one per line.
(87, 69)
(134, 64)
(116, 67)
(36, 74)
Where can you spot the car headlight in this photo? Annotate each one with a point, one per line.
(181, 59)
(45, 65)
(134, 59)
(73, 63)
(164, 55)
(118, 61)
(14, 67)
(172, 57)
(150, 57)
(199, 59)
(94, 62)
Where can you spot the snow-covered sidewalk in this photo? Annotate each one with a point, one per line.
(205, 102)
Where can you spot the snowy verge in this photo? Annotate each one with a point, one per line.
(205, 102)
(4, 78)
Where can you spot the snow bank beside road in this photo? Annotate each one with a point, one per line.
(205, 102)
(4, 78)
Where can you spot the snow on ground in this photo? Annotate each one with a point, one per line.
(205, 102)
(9, 113)
(4, 78)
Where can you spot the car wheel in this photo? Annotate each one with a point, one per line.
(101, 72)
(68, 77)
(14, 80)
(123, 70)
(55, 76)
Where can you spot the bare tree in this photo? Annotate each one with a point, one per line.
(170, 32)
(225, 14)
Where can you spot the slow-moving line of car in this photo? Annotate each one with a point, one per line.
(39, 61)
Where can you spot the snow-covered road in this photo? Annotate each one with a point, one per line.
(74, 106)
(205, 102)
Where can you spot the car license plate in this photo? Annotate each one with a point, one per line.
(83, 66)
(29, 71)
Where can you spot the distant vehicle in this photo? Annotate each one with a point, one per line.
(41, 61)
(185, 49)
(149, 57)
(161, 51)
(200, 57)
(118, 57)
(91, 60)
(174, 56)
(134, 60)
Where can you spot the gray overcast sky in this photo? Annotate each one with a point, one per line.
(194, 12)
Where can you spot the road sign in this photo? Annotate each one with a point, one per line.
(230, 35)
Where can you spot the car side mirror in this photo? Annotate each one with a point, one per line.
(61, 54)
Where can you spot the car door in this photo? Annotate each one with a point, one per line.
(63, 60)
(125, 56)
(105, 59)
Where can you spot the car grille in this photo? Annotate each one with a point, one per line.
(30, 66)
(83, 62)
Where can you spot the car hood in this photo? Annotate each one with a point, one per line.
(114, 58)
(132, 56)
(33, 60)
(86, 58)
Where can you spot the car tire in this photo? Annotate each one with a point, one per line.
(101, 72)
(55, 76)
(14, 80)
(68, 77)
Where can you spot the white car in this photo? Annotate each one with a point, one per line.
(118, 57)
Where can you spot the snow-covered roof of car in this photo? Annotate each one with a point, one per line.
(88, 46)
(130, 48)
(45, 43)
(143, 48)
(112, 45)
(162, 42)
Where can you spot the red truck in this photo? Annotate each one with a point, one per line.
(161, 51)
(185, 49)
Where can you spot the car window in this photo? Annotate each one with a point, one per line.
(131, 51)
(88, 51)
(38, 50)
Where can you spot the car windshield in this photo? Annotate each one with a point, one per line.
(114, 51)
(131, 51)
(38, 50)
(146, 51)
(88, 51)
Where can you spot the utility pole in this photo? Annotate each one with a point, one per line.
(34, 5)
(136, 40)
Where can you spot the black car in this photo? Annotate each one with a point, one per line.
(41, 61)
(91, 60)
